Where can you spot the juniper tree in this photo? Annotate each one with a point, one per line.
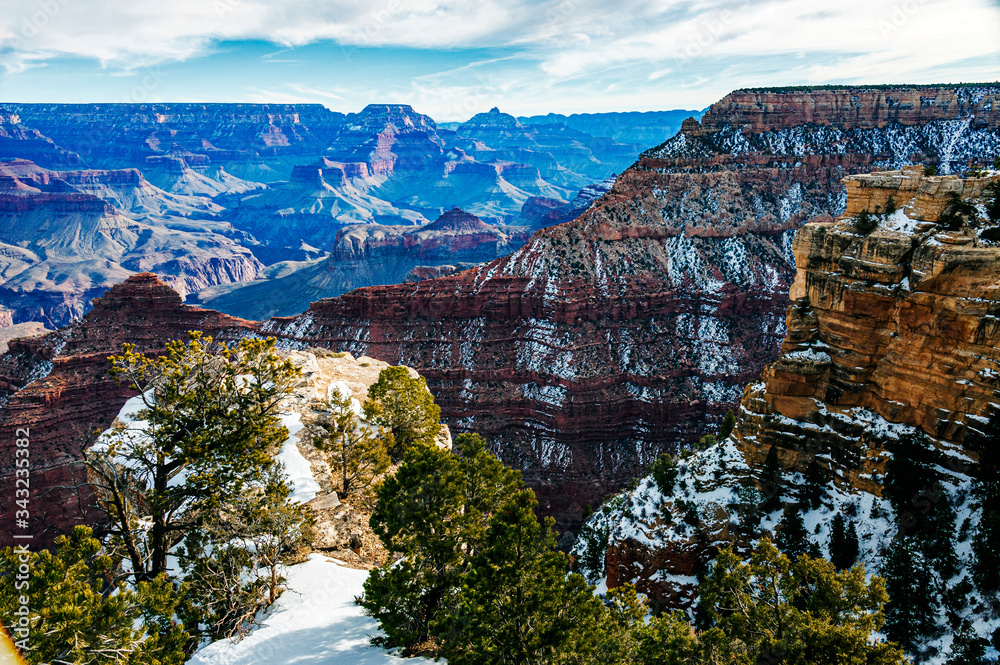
(208, 430)
(232, 562)
(357, 454)
(403, 405)
(77, 616)
(664, 472)
(775, 610)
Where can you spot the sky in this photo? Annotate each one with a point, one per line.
(452, 59)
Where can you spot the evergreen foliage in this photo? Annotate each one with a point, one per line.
(76, 615)
(773, 610)
(728, 423)
(402, 404)
(911, 612)
(433, 512)
(516, 603)
(770, 481)
(967, 648)
(866, 222)
(357, 454)
(991, 194)
(749, 507)
(232, 561)
(792, 538)
(210, 433)
(664, 472)
(844, 546)
(196, 476)
(811, 493)
(986, 539)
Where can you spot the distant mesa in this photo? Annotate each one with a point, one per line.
(457, 219)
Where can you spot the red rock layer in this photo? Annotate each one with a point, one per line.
(628, 331)
(58, 388)
(854, 108)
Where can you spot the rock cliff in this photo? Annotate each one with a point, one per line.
(891, 330)
(58, 387)
(63, 241)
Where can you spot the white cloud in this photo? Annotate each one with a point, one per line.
(573, 49)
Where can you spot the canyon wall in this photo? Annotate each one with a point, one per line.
(889, 332)
(632, 329)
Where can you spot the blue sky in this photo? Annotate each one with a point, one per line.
(453, 59)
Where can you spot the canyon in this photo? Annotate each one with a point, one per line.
(601, 342)
(631, 330)
(224, 190)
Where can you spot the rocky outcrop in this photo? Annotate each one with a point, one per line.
(855, 129)
(849, 108)
(889, 333)
(900, 323)
(57, 386)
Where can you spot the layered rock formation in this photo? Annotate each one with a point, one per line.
(901, 323)
(253, 141)
(889, 332)
(362, 255)
(631, 330)
(64, 241)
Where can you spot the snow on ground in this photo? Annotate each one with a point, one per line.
(300, 477)
(314, 622)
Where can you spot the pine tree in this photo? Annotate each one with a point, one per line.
(728, 423)
(357, 455)
(517, 604)
(77, 616)
(844, 546)
(403, 405)
(433, 512)
(913, 602)
(792, 538)
(813, 487)
(770, 481)
(776, 610)
(209, 430)
(664, 472)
